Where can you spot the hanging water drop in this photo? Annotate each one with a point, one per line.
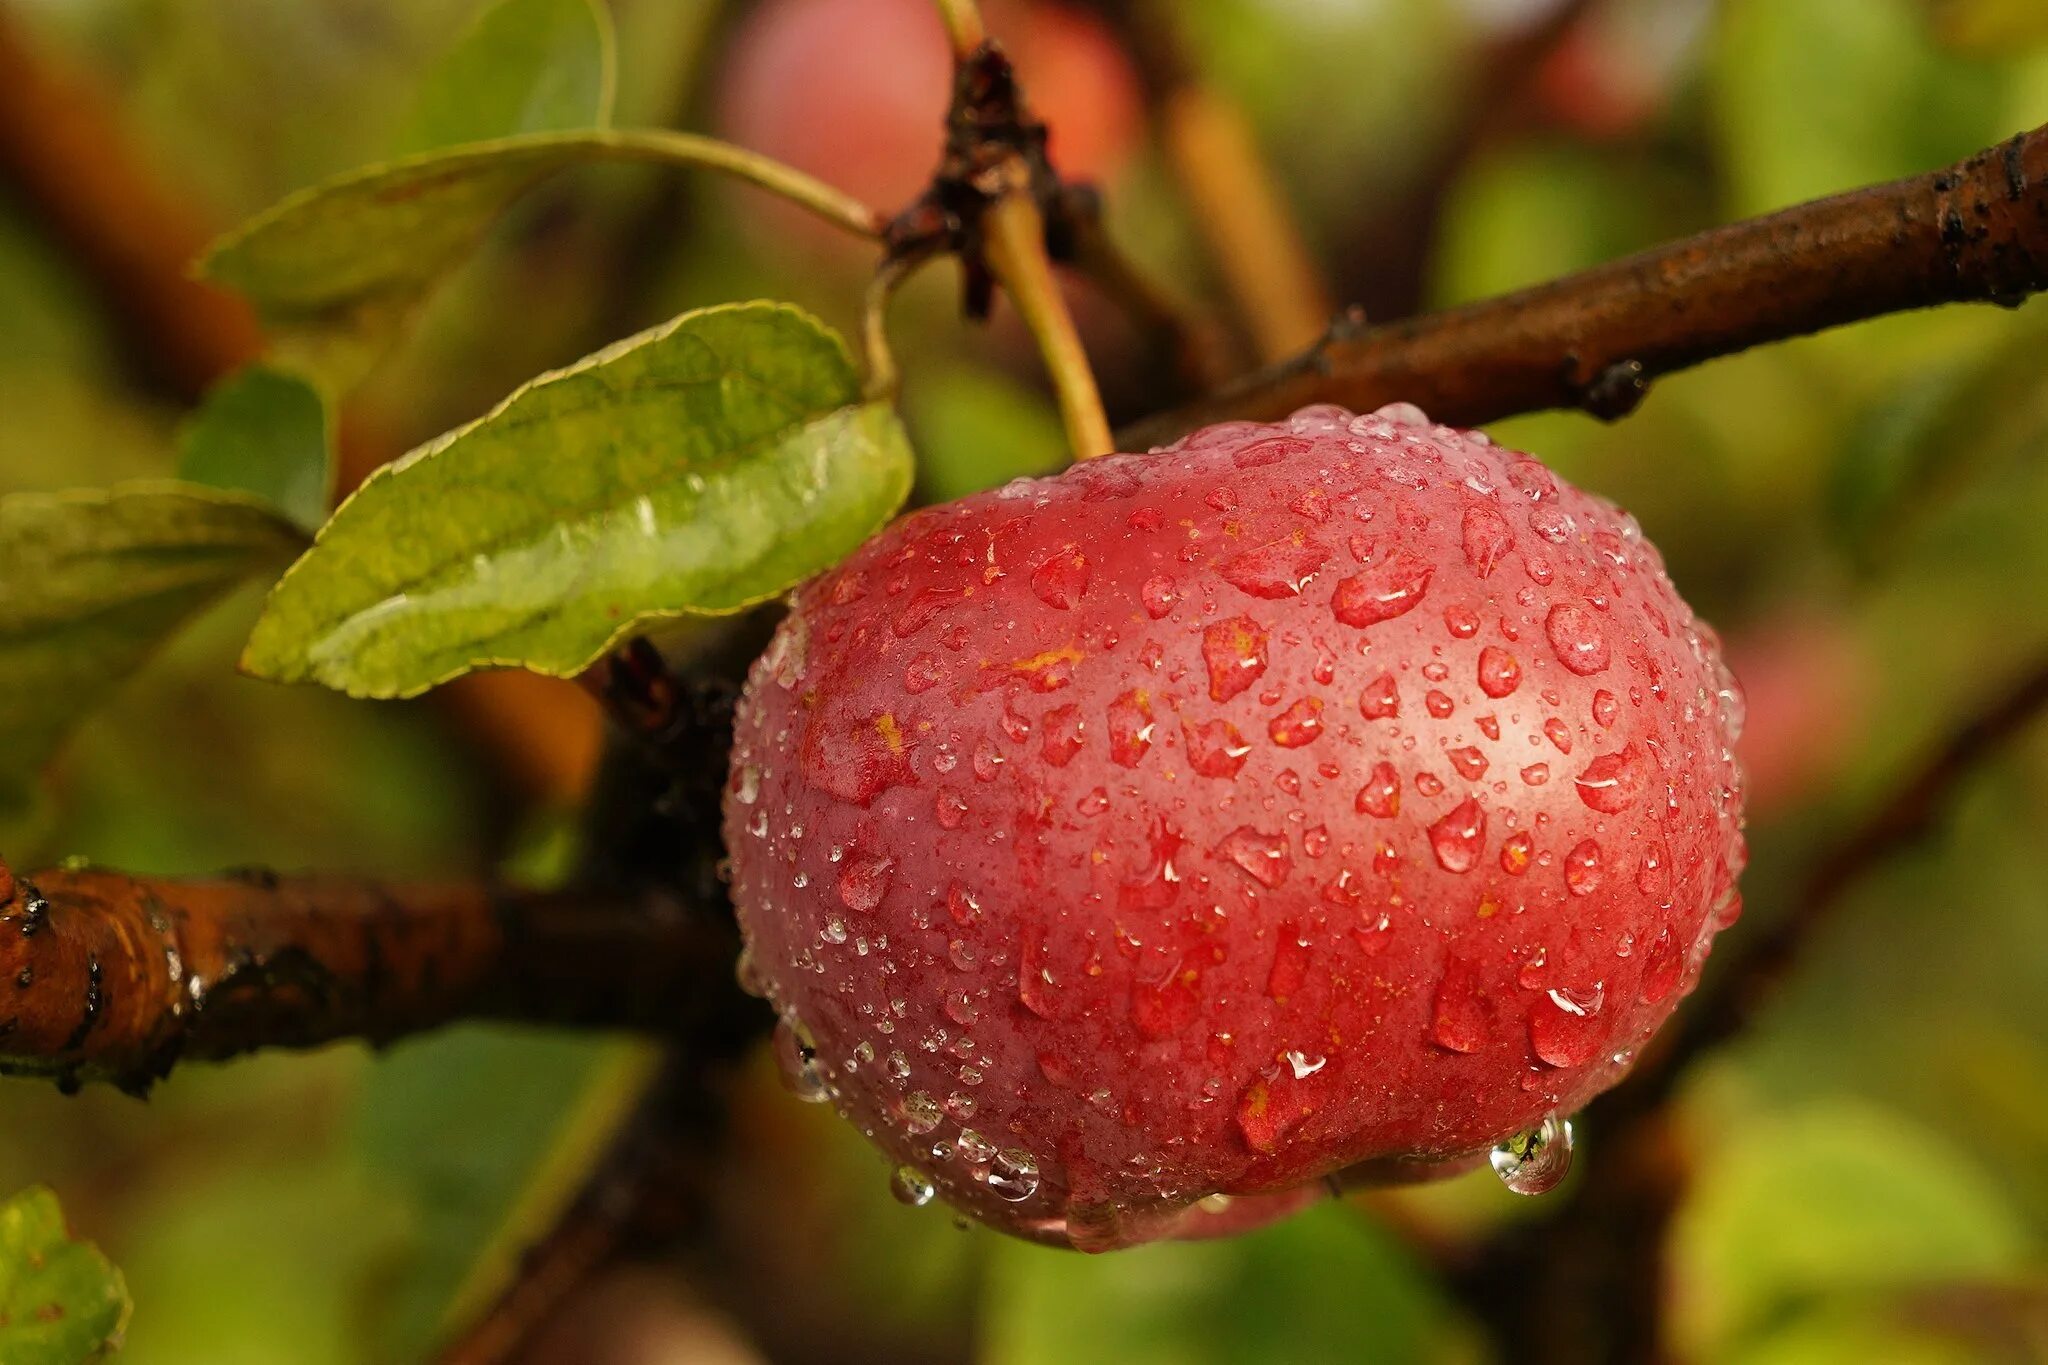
(1013, 1175)
(910, 1187)
(1537, 1161)
(797, 1056)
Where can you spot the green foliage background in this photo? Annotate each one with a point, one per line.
(1873, 1156)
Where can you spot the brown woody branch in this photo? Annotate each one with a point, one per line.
(1976, 232)
(115, 978)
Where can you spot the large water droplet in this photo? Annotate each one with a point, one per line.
(1263, 857)
(1214, 749)
(745, 970)
(1458, 1021)
(1277, 569)
(1500, 673)
(864, 880)
(1380, 700)
(1564, 1025)
(1130, 727)
(1013, 1175)
(1065, 732)
(1384, 590)
(1535, 1162)
(1235, 652)
(1299, 724)
(1160, 596)
(797, 1058)
(1381, 794)
(1470, 763)
(1290, 962)
(1060, 580)
(1457, 837)
(1614, 782)
(1577, 637)
(909, 1186)
(920, 1113)
(1487, 538)
(1582, 871)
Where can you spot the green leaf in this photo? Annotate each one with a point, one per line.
(91, 583)
(1838, 1198)
(262, 431)
(490, 1133)
(698, 468)
(1325, 1286)
(525, 66)
(1941, 432)
(338, 269)
(1888, 105)
(61, 1302)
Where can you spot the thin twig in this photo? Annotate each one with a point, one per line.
(1387, 267)
(1238, 206)
(1193, 344)
(115, 978)
(1013, 236)
(1976, 232)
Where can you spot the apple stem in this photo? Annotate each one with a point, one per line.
(884, 379)
(1014, 239)
(964, 28)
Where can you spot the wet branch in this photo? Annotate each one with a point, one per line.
(116, 978)
(1976, 232)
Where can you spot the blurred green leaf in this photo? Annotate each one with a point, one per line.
(1838, 1197)
(702, 466)
(1886, 105)
(339, 269)
(61, 1303)
(262, 431)
(1325, 1286)
(1950, 426)
(490, 1134)
(92, 583)
(976, 429)
(1853, 1334)
(525, 66)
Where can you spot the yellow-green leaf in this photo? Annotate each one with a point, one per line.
(91, 583)
(338, 269)
(525, 66)
(700, 467)
(61, 1303)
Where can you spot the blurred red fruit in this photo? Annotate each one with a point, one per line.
(855, 91)
(1805, 680)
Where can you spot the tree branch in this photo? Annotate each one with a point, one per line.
(1976, 232)
(116, 978)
